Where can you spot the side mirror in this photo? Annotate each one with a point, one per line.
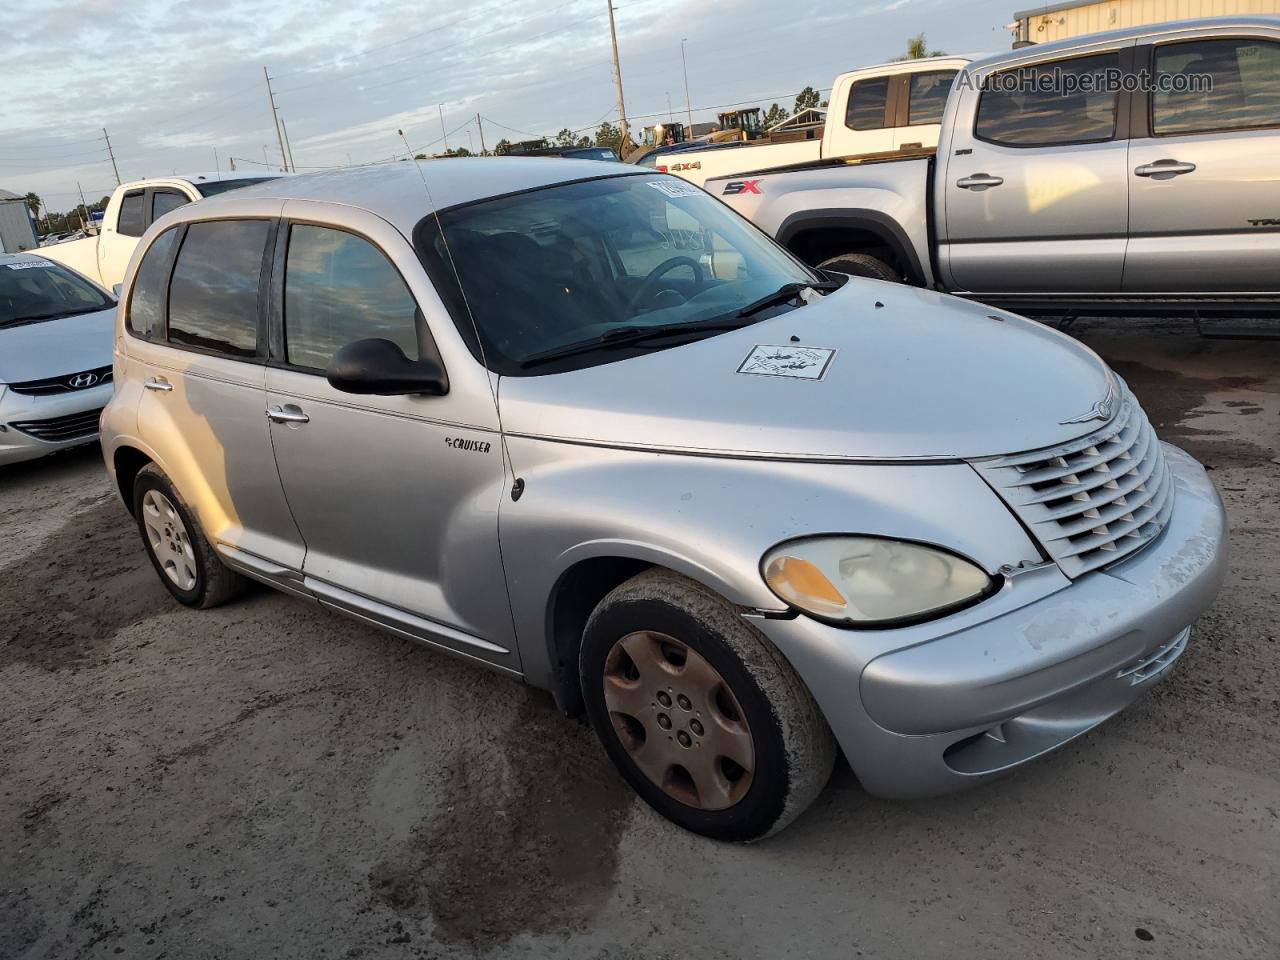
(379, 367)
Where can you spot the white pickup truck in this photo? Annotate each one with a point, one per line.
(883, 109)
(131, 210)
(1129, 170)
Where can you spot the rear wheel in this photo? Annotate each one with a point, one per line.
(862, 265)
(187, 565)
(705, 719)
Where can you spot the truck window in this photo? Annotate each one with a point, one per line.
(928, 96)
(213, 300)
(1061, 102)
(133, 214)
(340, 288)
(162, 201)
(867, 101)
(1207, 85)
(145, 316)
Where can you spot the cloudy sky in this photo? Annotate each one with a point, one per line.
(173, 80)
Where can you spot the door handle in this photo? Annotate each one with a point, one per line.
(979, 181)
(157, 383)
(1164, 169)
(287, 415)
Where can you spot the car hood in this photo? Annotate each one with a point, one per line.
(873, 371)
(50, 348)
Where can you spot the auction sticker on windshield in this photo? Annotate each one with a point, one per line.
(799, 363)
(30, 265)
(675, 188)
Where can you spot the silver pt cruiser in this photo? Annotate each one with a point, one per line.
(584, 425)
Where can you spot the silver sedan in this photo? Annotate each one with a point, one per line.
(55, 357)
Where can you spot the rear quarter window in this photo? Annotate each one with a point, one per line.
(147, 300)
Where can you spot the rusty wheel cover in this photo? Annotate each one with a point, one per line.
(679, 721)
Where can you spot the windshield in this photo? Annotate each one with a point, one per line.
(566, 264)
(38, 289)
(214, 187)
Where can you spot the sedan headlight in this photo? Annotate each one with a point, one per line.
(867, 581)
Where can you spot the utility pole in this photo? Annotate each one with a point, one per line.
(265, 161)
(112, 155)
(443, 131)
(275, 116)
(287, 145)
(617, 75)
(687, 102)
(481, 126)
(84, 208)
(217, 168)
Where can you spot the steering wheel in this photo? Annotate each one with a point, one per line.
(649, 286)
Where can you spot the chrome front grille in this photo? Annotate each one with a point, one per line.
(76, 426)
(1093, 500)
(66, 383)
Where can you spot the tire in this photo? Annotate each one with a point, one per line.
(661, 629)
(862, 265)
(183, 559)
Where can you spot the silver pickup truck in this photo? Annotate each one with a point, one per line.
(1122, 169)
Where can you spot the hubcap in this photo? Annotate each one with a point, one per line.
(679, 721)
(168, 539)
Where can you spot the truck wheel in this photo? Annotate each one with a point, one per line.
(186, 563)
(862, 265)
(702, 716)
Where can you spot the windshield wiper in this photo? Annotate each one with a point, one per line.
(785, 293)
(36, 317)
(620, 336)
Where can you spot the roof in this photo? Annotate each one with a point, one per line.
(395, 191)
(199, 178)
(1126, 33)
(6, 195)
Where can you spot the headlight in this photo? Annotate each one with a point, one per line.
(866, 581)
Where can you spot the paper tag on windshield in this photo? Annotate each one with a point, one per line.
(30, 265)
(799, 363)
(674, 188)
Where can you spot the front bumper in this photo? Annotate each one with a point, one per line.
(48, 423)
(942, 705)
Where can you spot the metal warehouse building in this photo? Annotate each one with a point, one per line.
(1059, 21)
(17, 232)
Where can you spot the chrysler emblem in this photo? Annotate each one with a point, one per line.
(82, 380)
(1099, 411)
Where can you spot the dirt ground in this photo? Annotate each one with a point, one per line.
(270, 780)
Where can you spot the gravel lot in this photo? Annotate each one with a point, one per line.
(271, 780)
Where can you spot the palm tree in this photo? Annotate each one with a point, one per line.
(34, 203)
(917, 49)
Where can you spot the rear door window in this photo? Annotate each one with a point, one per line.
(213, 299)
(132, 221)
(1050, 104)
(147, 301)
(162, 201)
(1207, 85)
(340, 288)
(867, 103)
(927, 96)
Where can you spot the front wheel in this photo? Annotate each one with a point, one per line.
(704, 718)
